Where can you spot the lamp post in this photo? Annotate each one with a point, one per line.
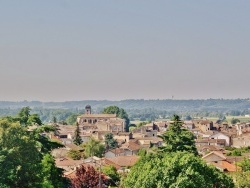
(100, 171)
(100, 177)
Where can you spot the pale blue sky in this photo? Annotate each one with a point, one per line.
(58, 50)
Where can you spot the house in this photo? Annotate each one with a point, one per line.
(121, 163)
(132, 147)
(220, 161)
(214, 156)
(115, 152)
(205, 149)
(225, 166)
(150, 141)
(241, 141)
(207, 141)
(207, 134)
(220, 135)
(162, 126)
(196, 131)
(189, 125)
(67, 164)
(123, 136)
(205, 125)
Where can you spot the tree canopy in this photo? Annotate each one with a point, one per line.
(20, 157)
(177, 138)
(110, 142)
(112, 173)
(77, 138)
(87, 177)
(52, 176)
(25, 118)
(176, 169)
(243, 177)
(176, 165)
(93, 148)
(24, 158)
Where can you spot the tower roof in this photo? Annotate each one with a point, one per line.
(88, 106)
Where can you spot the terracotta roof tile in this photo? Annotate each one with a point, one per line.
(122, 161)
(216, 153)
(226, 166)
(67, 162)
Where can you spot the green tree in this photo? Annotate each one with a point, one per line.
(242, 179)
(54, 120)
(75, 154)
(142, 152)
(71, 120)
(234, 121)
(177, 138)
(23, 115)
(235, 152)
(176, 169)
(77, 138)
(245, 165)
(44, 143)
(112, 173)
(93, 148)
(20, 158)
(131, 128)
(52, 176)
(141, 124)
(110, 142)
(34, 119)
(111, 110)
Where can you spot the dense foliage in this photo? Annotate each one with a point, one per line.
(75, 154)
(243, 177)
(176, 165)
(110, 142)
(93, 148)
(112, 173)
(88, 177)
(237, 151)
(177, 138)
(176, 169)
(24, 155)
(77, 138)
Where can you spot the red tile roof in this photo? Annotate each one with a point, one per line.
(122, 161)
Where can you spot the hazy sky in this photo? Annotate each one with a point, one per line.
(58, 50)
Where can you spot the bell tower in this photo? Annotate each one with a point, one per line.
(88, 109)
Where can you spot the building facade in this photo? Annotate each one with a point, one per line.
(100, 122)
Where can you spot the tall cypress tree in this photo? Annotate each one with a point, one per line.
(77, 138)
(177, 138)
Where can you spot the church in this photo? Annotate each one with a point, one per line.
(100, 122)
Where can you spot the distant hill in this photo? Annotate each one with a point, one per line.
(166, 105)
(136, 109)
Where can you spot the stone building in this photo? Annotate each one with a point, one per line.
(100, 122)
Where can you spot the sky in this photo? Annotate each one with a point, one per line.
(64, 50)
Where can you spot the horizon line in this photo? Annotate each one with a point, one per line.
(124, 100)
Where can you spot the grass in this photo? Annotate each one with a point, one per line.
(229, 118)
(241, 118)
